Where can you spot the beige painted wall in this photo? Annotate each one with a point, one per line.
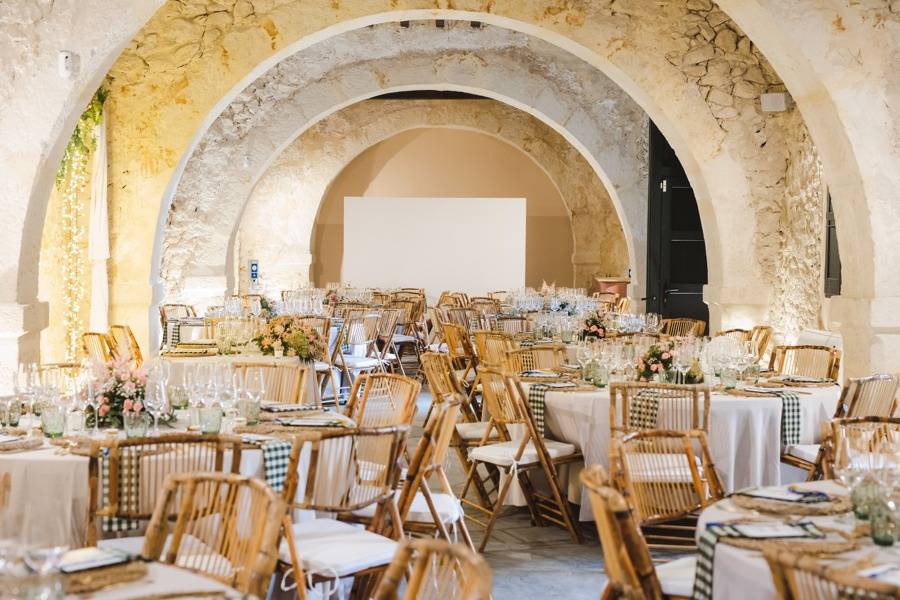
(438, 162)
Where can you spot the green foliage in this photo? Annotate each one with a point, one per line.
(83, 140)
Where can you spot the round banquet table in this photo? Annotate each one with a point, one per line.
(163, 580)
(744, 432)
(46, 480)
(744, 574)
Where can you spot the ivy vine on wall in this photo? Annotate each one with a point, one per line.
(71, 179)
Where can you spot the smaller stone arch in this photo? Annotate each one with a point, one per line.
(298, 180)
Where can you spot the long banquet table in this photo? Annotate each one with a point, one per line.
(744, 432)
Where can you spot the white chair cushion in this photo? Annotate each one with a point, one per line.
(447, 506)
(677, 577)
(332, 548)
(442, 348)
(502, 454)
(471, 431)
(360, 362)
(402, 338)
(807, 452)
(660, 467)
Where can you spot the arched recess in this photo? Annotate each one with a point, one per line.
(593, 114)
(297, 181)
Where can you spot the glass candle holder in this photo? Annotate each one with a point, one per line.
(53, 419)
(729, 378)
(210, 419)
(866, 491)
(882, 521)
(248, 409)
(136, 424)
(13, 412)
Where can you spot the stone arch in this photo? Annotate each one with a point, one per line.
(588, 109)
(299, 178)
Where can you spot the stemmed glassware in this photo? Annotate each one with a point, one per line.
(88, 392)
(155, 400)
(44, 536)
(255, 384)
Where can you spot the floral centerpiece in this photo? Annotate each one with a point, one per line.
(295, 338)
(121, 390)
(659, 361)
(593, 327)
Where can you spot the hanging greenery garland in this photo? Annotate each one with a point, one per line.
(71, 179)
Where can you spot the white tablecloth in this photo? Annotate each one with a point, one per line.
(44, 481)
(180, 366)
(740, 574)
(744, 433)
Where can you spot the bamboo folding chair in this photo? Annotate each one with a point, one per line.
(226, 527)
(667, 477)
(760, 336)
(806, 361)
(137, 469)
(606, 297)
(323, 364)
(538, 357)
(485, 306)
(800, 577)
(339, 473)
(387, 329)
(856, 437)
(97, 346)
(738, 335)
(682, 327)
(357, 333)
(285, 382)
(623, 304)
(492, 347)
(123, 343)
(406, 333)
(168, 312)
(383, 399)
(512, 325)
(639, 406)
(517, 458)
(626, 557)
(435, 570)
(380, 298)
(444, 385)
(873, 396)
(467, 318)
(462, 354)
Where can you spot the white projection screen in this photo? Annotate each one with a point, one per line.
(472, 245)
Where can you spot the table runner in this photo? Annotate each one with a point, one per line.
(536, 394)
(129, 483)
(790, 418)
(643, 412)
(706, 551)
(276, 458)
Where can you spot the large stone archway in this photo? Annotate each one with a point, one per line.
(296, 182)
(559, 89)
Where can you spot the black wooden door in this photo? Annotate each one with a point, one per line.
(676, 251)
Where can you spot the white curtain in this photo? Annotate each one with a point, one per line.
(98, 242)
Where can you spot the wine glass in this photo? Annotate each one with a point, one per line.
(45, 535)
(155, 400)
(254, 384)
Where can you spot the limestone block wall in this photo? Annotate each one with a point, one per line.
(294, 186)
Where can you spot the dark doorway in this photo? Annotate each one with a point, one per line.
(676, 251)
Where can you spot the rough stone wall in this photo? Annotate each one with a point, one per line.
(798, 294)
(295, 184)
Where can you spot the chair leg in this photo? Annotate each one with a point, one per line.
(299, 579)
(479, 485)
(498, 506)
(562, 503)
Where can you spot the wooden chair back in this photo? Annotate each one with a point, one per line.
(806, 361)
(467, 318)
(440, 376)
(861, 443)
(760, 336)
(484, 306)
(738, 335)
(124, 343)
(626, 556)
(608, 297)
(873, 396)
(664, 475)
(167, 312)
(387, 325)
(542, 356)
(459, 346)
(318, 322)
(285, 381)
(803, 577)
(226, 527)
(683, 327)
(452, 299)
(360, 330)
(343, 310)
(97, 346)
(624, 304)
(492, 347)
(511, 325)
(380, 298)
(639, 406)
(344, 470)
(136, 470)
(503, 401)
(383, 400)
(435, 570)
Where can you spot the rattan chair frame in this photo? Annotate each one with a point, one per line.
(739, 335)
(683, 327)
(539, 356)
(171, 453)
(459, 347)
(322, 324)
(285, 381)
(506, 404)
(626, 557)
(760, 336)
(462, 574)
(691, 414)
(215, 517)
(779, 362)
(358, 331)
(799, 577)
(888, 429)
(369, 406)
(97, 346)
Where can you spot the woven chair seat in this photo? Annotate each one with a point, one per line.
(447, 506)
(360, 362)
(502, 454)
(807, 452)
(677, 577)
(332, 548)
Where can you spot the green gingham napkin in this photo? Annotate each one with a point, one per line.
(536, 393)
(129, 484)
(790, 418)
(643, 411)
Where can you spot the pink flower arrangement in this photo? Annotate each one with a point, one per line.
(296, 339)
(120, 390)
